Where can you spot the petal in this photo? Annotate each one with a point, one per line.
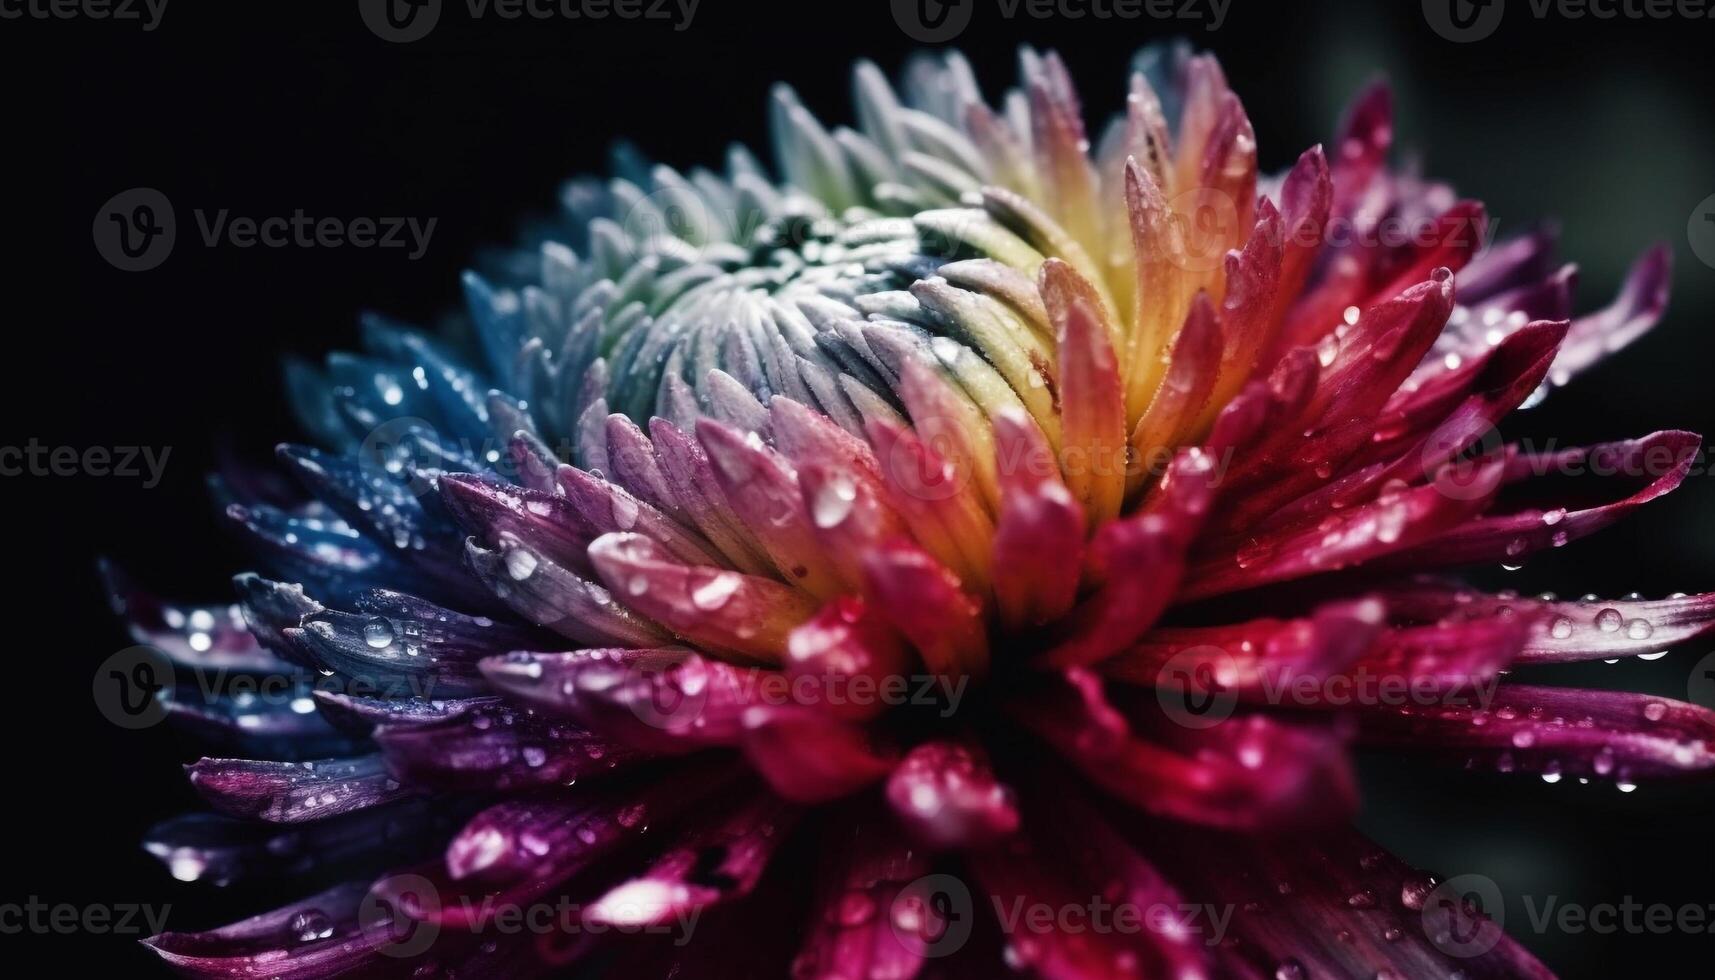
(497, 748)
(665, 700)
(1564, 632)
(810, 756)
(865, 920)
(712, 607)
(923, 601)
(1332, 904)
(763, 491)
(1242, 772)
(200, 637)
(1092, 404)
(1642, 301)
(319, 936)
(1663, 460)
(1387, 528)
(1558, 731)
(714, 862)
(1039, 540)
(293, 792)
(848, 647)
(551, 595)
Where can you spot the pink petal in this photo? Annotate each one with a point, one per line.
(1039, 541)
(1558, 731)
(811, 756)
(923, 601)
(715, 608)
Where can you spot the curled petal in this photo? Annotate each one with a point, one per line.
(1563, 632)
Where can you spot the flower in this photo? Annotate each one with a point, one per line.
(845, 568)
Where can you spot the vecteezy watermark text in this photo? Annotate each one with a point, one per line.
(136, 230)
(146, 13)
(37, 917)
(35, 458)
(1473, 20)
(938, 21)
(404, 21)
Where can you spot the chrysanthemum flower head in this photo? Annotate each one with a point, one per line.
(967, 515)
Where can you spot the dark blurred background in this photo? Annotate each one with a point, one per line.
(264, 108)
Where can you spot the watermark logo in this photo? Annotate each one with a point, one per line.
(400, 21)
(1700, 231)
(127, 687)
(933, 916)
(1700, 688)
(134, 231)
(399, 916)
(933, 21)
(1190, 689)
(1464, 21)
(1464, 916)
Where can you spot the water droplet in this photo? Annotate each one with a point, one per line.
(1561, 629)
(378, 634)
(520, 564)
(1655, 711)
(1609, 620)
(833, 503)
(311, 925)
(713, 593)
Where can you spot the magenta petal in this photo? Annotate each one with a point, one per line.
(1558, 731)
(1333, 904)
(533, 843)
(866, 921)
(488, 509)
(666, 700)
(947, 796)
(1641, 303)
(1660, 461)
(763, 491)
(1069, 857)
(810, 756)
(713, 607)
(849, 645)
(496, 747)
(1391, 524)
(1141, 560)
(692, 481)
(1563, 632)
(606, 508)
(204, 637)
(274, 944)
(293, 792)
(635, 467)
(1255, 661)
(1039, 539)
(709, 864)
(924, 602)
(1240, 773)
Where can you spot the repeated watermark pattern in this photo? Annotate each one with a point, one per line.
(940, 21)
(136, 230)
(404, 21)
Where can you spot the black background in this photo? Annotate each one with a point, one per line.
(264, 108)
